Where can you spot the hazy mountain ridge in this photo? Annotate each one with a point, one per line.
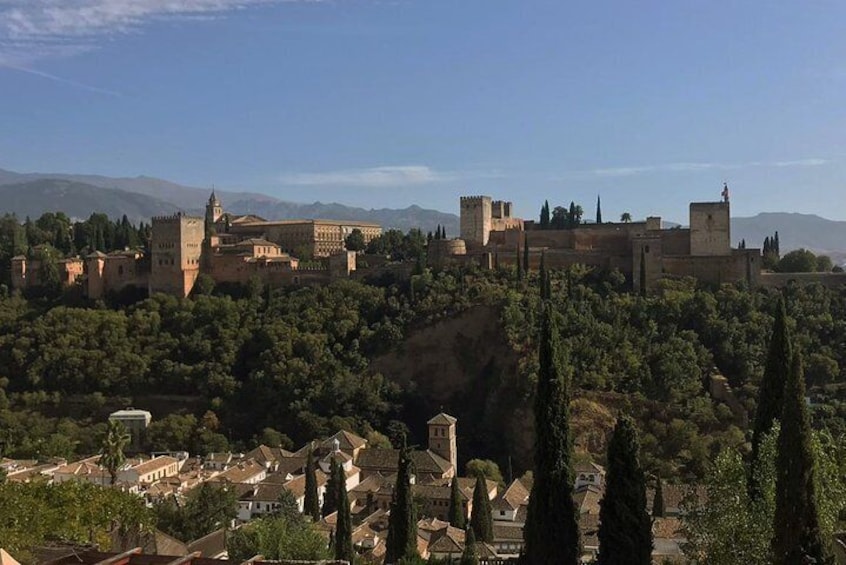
(181, 196)
(403, 219)
(794, 231)
(118, 196)
(78, 200)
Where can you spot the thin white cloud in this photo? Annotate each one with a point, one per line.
(32, 30)
(801, 163)
(688, 167)
(380, 177)
(59, 79)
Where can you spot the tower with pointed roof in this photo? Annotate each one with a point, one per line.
(442, 438)
(214, 211)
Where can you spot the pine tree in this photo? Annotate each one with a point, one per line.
(771, 391)
(456, 508)
(330, 498)
(551, 532)
(525, 254)
(343, 528)
(625, 529)
(311, 506)
(470, 556)
(659, 509)
(598, 210)
(796, 527)
(402, 522)
(481, 519)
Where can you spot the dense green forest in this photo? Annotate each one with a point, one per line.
(232, 368)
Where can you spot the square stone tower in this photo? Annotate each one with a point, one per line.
(177, 246)
(476, 219)
(710, 229)
(442, 438)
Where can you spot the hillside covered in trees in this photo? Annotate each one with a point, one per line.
(231, 369)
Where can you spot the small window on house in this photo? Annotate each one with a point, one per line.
(646, 249)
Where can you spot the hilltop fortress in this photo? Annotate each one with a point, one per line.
(644, 251)
(227, 247)
(235, 249)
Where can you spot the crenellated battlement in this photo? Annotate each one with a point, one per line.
(174, 218)
(473, 199)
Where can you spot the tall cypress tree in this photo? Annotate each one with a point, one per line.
(402, 522)
(330, 499)
(551, 532)
(311, 507)
(544, 216)
(642, 273)
(470, 556)
(625, 528)
(519, 265)
(771, 391)
(659, 509)
(481, 520)
(525, 254)
(456, 508)
(796, 527)
(343, 527)
(545, 284)
(598, 210)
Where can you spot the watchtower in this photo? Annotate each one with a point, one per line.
(442, 438)
(177, 244)
(710, 229)
(214, 211)
(476, 219)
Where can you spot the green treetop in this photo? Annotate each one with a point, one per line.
(625, 531)
(470, 556)
(551, 532)
(481, 520)
(402, 522)
(796, 527)
(312, 503)
(771, 391)
(598, 210)
(659, 509)
(330, 499)
(456, 508)
(343, 529)
(111, 453)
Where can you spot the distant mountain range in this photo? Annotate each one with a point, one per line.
(31, 194)
(808, 231)
(78, 200)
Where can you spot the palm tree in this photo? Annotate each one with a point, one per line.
(111, 453)
(625, 217)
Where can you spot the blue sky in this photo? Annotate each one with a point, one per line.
(651, 104)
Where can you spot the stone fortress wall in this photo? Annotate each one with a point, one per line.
(493, 237)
